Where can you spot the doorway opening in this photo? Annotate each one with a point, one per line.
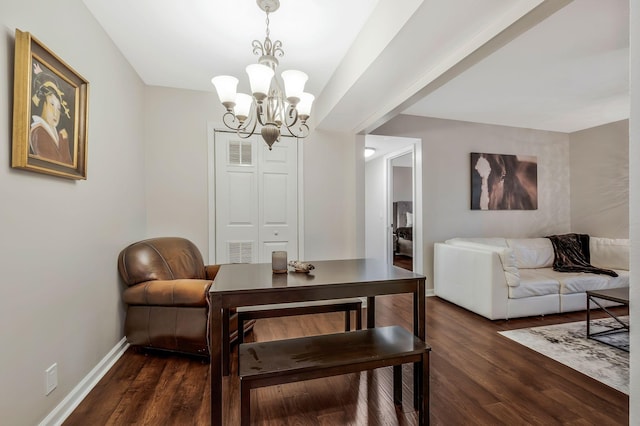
(400, 195)
(393, 200)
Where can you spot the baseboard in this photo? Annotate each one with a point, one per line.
(75, 397)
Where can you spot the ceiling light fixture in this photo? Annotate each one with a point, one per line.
(268, 105)
(368, 151)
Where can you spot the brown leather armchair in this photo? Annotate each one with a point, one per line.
(167, 288)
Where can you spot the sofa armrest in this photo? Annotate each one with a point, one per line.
(182, 292)
(609, 253)
(472, 278)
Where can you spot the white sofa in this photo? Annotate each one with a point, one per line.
(501, 278)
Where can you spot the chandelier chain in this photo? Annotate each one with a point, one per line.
(267, 20)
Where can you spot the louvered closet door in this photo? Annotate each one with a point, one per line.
(256, 199)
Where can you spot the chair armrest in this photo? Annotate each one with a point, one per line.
(183, 292)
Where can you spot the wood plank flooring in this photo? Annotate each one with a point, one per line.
(478, 377)
(402, 261)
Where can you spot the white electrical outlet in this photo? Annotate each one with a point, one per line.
(51, 378)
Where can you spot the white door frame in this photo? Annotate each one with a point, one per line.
(418, 257)
(211, 179)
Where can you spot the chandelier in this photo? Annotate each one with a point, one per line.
(269, 105)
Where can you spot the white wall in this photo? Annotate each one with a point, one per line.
(330, 199)
(59, 239)
(446, 145)
(376, 228)
(599, 164)
(360, 212)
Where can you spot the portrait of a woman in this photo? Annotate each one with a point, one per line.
(49, 139)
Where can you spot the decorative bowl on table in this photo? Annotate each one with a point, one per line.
(303, 267)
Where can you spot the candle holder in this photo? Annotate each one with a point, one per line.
(279, 262)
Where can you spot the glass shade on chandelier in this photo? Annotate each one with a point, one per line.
(268, 105)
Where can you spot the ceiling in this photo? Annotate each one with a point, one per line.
(544, 64)
(183, 44)
(569, 73)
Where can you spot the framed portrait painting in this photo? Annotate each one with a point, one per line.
(50, 112)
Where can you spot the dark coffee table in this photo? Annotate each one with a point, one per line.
(618, 295)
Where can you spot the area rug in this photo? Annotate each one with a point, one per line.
(567, 344)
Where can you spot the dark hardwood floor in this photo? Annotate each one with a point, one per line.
(478, 377)
(402, 261)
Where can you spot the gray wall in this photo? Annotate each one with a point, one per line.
(176, 153)
(634, 210)
(446, 145)
(402, 183)
(59, 239)
(331, 195)
(599, 164)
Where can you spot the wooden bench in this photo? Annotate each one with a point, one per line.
(285, 361)
(246, 313)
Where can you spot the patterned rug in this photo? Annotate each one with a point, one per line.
(567, 344)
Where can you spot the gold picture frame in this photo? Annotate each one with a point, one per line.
(50, 112)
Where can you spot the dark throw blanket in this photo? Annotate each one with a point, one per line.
(572, 254)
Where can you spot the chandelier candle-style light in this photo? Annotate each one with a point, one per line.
(268, 105)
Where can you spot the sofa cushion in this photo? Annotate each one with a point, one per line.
(534, 284)
(532, 252)
(609, 253)
(579, 282)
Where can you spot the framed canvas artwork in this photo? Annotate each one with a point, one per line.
(50, 109)
(504, 182)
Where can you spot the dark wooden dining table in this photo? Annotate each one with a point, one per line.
(253, 284)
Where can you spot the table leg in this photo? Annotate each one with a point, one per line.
(371, 312)
(397, 384)
(215, 352)
(424, 373)
(226, 346)
(588, 317)
(419, 329)
(419, 314)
